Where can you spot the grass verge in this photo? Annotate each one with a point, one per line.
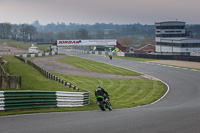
(123, 92)
(134, 59)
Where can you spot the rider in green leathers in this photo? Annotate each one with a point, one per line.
(101, 92)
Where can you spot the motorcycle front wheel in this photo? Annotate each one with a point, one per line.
(109, 106)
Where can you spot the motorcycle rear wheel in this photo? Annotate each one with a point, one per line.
(101, 105)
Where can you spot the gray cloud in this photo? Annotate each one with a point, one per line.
(92, 11)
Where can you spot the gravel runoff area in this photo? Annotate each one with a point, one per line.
(187, 64)
(50, 64)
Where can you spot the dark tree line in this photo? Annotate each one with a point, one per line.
(53, 31)
(22, 32)
(195, 29)
(5, 30)
(127, 33)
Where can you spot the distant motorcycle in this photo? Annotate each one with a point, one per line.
(110, 56)
(104, 103)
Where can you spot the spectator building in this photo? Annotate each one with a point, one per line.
(173, 38)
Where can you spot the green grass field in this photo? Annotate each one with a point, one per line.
(124, 93)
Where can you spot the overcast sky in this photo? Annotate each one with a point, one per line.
(99, 11)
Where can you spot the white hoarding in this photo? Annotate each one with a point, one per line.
(85, 42)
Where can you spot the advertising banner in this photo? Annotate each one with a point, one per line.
(120, 54)
(85, 42)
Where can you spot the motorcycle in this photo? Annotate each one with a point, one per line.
(104, 103)
(110, 56)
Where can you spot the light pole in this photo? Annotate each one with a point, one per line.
(172, 47)
(161, 46)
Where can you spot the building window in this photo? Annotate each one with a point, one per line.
(158, 35)
(170, 27)
(158, 27)
(190, 45)
(171, 35)
(168, 44)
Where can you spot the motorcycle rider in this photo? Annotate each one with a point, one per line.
(110, 56)
(101, 92)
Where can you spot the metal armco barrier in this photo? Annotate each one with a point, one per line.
(38, 99)
(51, 76)
(167, 57)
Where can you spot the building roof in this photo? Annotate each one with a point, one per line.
(180, 38)
(169, 22)
(145, 46)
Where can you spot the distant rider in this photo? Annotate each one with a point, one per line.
(110, 56)
(101, 92)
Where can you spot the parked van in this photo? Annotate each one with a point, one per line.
(33, 50)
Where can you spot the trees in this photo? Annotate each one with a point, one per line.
(61, 36)
(27, 31)
(126, 41)
(30, 31)
(82, 34)
(195, 30)
(112, 34)
(127, 34)
(147, 41)
(15, 31)
(99, 35)
(5, 30)
(48, 37)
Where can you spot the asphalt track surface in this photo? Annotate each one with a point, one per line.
(177, 112)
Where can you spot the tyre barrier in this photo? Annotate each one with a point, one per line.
(10, 100)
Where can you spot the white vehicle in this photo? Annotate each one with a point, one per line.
(33, 50)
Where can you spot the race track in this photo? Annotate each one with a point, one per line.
(177, 112)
